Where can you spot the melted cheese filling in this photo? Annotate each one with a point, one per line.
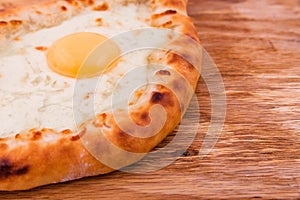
(33, 96)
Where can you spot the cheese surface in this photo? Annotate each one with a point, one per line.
(34, 96)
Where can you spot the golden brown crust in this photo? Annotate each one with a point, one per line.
(32, 162)
(41, 157)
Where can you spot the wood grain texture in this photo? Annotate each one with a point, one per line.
(256, 45)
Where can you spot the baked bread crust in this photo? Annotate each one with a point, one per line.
(40, 157)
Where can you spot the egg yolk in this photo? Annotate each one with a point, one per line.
(82, 55)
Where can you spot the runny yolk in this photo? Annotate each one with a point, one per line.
(82, 55)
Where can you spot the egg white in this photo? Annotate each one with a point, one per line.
(32, 96)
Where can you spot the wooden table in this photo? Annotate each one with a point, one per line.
(256, 45)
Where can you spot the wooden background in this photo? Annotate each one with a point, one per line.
(256, 45)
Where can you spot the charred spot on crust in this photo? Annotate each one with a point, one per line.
(145, 116)
(157, 97)
(91, 2)
(162, 98)
(101, 7)
(145, 119)
(103, 116)
(101, 121)
(167, 24)
(18, 136)
(66, 131)
(141, 118)
(41, 48)
(15, 22)
(36, 135)
(163, 73)
(75, 137)
(64, 8)
(22, 170)
(3, 23)
(169, 12)
(174, 58)
(99, 21)
(7, 169)
(165, 13)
